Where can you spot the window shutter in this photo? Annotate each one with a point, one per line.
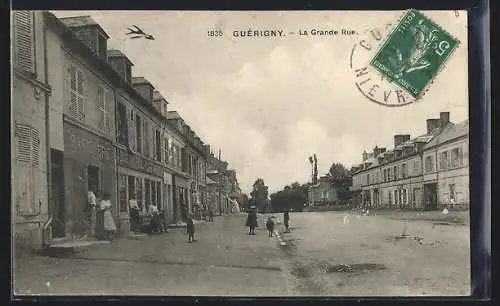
(108, 107)
(73, 103)
(100, 104)
(24, 143)
(81, 97)
(131, 130)
(35, 147)
(24, 47)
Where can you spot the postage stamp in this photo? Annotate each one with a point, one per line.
(414, 53)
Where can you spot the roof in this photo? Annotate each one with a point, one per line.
(81, 21)
(173, 115)
(140, 80)
(157, 96)
(118, 53)
(451, 131)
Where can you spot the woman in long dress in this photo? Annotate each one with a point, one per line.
(252, 220)
(108, 224)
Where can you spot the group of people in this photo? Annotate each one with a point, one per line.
(101, 220)
(270, 224)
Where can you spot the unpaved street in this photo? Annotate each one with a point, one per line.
(325, 254)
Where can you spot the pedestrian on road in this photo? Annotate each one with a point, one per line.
(190, 228)
(91, 210)
(270, 226)
(210, 214)
(109, 227)
(252, 220)
(286, 219)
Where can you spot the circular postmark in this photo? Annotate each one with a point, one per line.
(368, 81)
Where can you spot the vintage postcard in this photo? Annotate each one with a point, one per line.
(240, 153)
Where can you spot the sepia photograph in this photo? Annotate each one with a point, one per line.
(240, 153)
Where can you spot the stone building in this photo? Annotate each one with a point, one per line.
(323, 193)
(30, 149)
(409, 177)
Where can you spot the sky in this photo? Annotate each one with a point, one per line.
(270, 103)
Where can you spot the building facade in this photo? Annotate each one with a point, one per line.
(426, 172)
(323, 193)
(29, 130)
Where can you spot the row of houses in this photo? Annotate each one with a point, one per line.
(430, 171)
(81, 121)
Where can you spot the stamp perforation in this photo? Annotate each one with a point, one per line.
(439, 69)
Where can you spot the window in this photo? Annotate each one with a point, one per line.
(77, 96)
(456, 157)
(122, 189)
(28, 160)
(443, 160)
(122, 124)
(158, 145)
(396, 197)
(403, 170)
(138, 188)
(452, 192)
(429, 164)
(396, 172)
(132, 131)
(368, 179)
(158, 195)
(138, 133)
(147, 193)
(102, 46)
(24, 51)
(104, 104)
(147, 131)
(153, 194)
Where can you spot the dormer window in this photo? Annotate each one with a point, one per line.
(102, 46)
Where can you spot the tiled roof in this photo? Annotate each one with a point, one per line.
(451, 131)
(173, 115)
(140, 80)
(81, 21)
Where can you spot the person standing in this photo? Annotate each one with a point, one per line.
(134, 214)
(210, 214)
(109, 227)
(91, 210)
(190, 228)
(252, 221)
(286, 219)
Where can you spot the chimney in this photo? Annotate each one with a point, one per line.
(432, 124)
(365, 156)
(144, 88)
(399, 139)
(90, 33)
(121, 64)
(444, 117)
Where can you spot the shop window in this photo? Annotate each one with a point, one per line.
(147, 193)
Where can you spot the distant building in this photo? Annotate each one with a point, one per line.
(426, 172)
(322, 193)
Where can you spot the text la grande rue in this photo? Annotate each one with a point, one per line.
(327, 32)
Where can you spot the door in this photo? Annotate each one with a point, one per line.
(417, 198)
(93, 182)
(57, 201)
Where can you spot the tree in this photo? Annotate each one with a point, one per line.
(243, 201)
(341, 180)
(292, 196)
(259, 195)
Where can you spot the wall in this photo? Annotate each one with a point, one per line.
(30, 202)
(81, 150)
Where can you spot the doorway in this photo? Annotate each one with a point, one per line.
(57, 190)
(430, 196)
(93, 181)
(417, 198)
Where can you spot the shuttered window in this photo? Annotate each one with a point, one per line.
(77, 96)
(147, 143)
(104, 103)
(24, 52)
(28, 160)
(131, 130)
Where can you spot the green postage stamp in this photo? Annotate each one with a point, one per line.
(414, 53)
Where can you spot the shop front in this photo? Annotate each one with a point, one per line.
(141, 180)
(181, 197)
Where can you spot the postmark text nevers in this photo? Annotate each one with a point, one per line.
(414, 53)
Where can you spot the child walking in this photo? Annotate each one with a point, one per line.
(190, 228)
